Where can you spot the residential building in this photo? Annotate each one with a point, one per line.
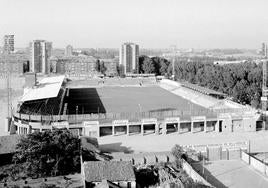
(111, 65)
(120, 173)
(40, 52)
(69, 50)
(8, 46)
(15, 64)
(73, 66)
(129, 57)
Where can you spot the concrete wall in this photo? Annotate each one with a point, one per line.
(145, 158)
(193, 174)
(255, 163)
(249, 124)
(227, 125)
(237, 125)
(245, 157)
(258, 165)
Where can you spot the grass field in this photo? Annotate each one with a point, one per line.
(126, 99)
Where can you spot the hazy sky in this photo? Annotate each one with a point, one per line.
(150, 23)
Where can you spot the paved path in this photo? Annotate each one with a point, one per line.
(233, 174)
(152, 143)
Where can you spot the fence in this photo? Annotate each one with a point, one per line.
(135, 116)
(214, 152)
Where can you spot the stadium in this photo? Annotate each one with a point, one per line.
(127, 106)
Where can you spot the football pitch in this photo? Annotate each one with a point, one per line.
(126, 100)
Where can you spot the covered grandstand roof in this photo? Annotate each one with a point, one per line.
(48, 87)
(202, 89)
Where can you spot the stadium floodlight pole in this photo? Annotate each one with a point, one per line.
(173, 67)
(140, 107)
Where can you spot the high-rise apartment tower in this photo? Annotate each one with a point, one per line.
(69, 50)
(129, 57)
(8, 46)
(40, 51)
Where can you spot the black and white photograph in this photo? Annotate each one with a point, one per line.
(133, 93)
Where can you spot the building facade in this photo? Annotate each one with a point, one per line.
(8, 46)
(69, 50)
(40, 51)
(15, 64)
(129, 57)
(75, 66)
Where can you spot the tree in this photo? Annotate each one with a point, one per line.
(148, 66)
(179, 154)
(49, 153)
(102, 67)
(164, 67)
(97, 66)
(120, 70)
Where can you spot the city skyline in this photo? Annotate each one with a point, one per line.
(152, 24)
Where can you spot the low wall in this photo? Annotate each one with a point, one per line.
(214, 152)
(255, 163)
(193, 174)
(145, 158)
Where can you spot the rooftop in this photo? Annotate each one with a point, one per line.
(48, 87)
(202, 89)
(108, 170)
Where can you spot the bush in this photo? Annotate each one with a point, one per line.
(179, 154)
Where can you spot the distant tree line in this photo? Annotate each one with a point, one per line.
(240, 81)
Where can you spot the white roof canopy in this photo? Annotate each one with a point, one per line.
(48, 87)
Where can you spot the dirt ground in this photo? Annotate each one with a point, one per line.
(157, 143)
(233, 174)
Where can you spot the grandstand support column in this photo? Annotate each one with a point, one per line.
(192, 127)
(113, 130)
(128, 130)
(217, 126)
(164, 128)
(179, 128)
(205, 126)
(98, 132)
(156, 129)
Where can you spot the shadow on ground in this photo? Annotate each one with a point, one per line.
(208, 176)
(115, 147)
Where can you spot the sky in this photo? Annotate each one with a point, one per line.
(149, 23)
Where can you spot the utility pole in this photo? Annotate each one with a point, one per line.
(8, 89)
(174, 53)
(264, 85)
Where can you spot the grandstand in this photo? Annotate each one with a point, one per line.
(48, 106)
(115, 106)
